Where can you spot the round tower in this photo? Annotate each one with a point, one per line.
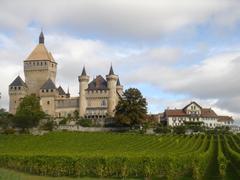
(119, 88)
(83, 85)
(112, 95)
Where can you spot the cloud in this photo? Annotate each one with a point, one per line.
(119, 18)
(97, 33)
(214, 78)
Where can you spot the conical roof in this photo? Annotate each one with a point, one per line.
(118, 82)
(111, 71)
(83, 72)
(49, 84)
(18, 82)
(61, 91)
(40, 52)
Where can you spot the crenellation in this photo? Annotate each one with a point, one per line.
(97, 99)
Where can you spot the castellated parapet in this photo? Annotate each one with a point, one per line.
(97, 98)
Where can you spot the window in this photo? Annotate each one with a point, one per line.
(103, 103)
(19, 88)
(51, 90)
(48, 102)
(47, 90)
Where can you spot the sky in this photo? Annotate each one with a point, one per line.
(173, 51)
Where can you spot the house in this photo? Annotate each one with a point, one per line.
(193, 112)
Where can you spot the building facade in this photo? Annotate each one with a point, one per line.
(193, 112)
(97, 98)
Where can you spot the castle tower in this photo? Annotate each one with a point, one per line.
(83, 85)
(112, 96)
(48, 92)
(119, 88)
(17, 91)
(39, 67)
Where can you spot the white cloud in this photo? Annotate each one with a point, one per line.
(119, 18)
(213, 78)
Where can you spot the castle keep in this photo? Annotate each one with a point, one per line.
(97, 99)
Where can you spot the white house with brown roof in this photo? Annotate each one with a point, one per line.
(225, 121)
(96, 99)
(193, 112)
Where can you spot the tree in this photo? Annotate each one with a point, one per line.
(5, 119)
(132, 108)
(29, 113)
(75, 115)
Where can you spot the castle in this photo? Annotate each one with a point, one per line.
(97, 99)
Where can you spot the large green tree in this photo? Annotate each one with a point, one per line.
(29, 113)
(132, 108)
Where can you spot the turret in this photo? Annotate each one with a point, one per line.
(119, 88)
(112, 96)
(48, 92)
(83, 85)
(17, 91)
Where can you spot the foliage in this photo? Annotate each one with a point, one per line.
(63, 121)
(179, 129)
(76, 115)
(132, 108)
(85, 122)
(29, 113)
(112, 155)
(5, 119)
(9, 131)
(48, 126)
(161, 129)
(222, 160)
(194, 126)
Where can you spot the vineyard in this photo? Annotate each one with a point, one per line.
(123, 155)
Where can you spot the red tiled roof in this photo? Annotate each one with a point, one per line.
(224, 118)
(175, 112)
(205, 112)
(208, 112)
